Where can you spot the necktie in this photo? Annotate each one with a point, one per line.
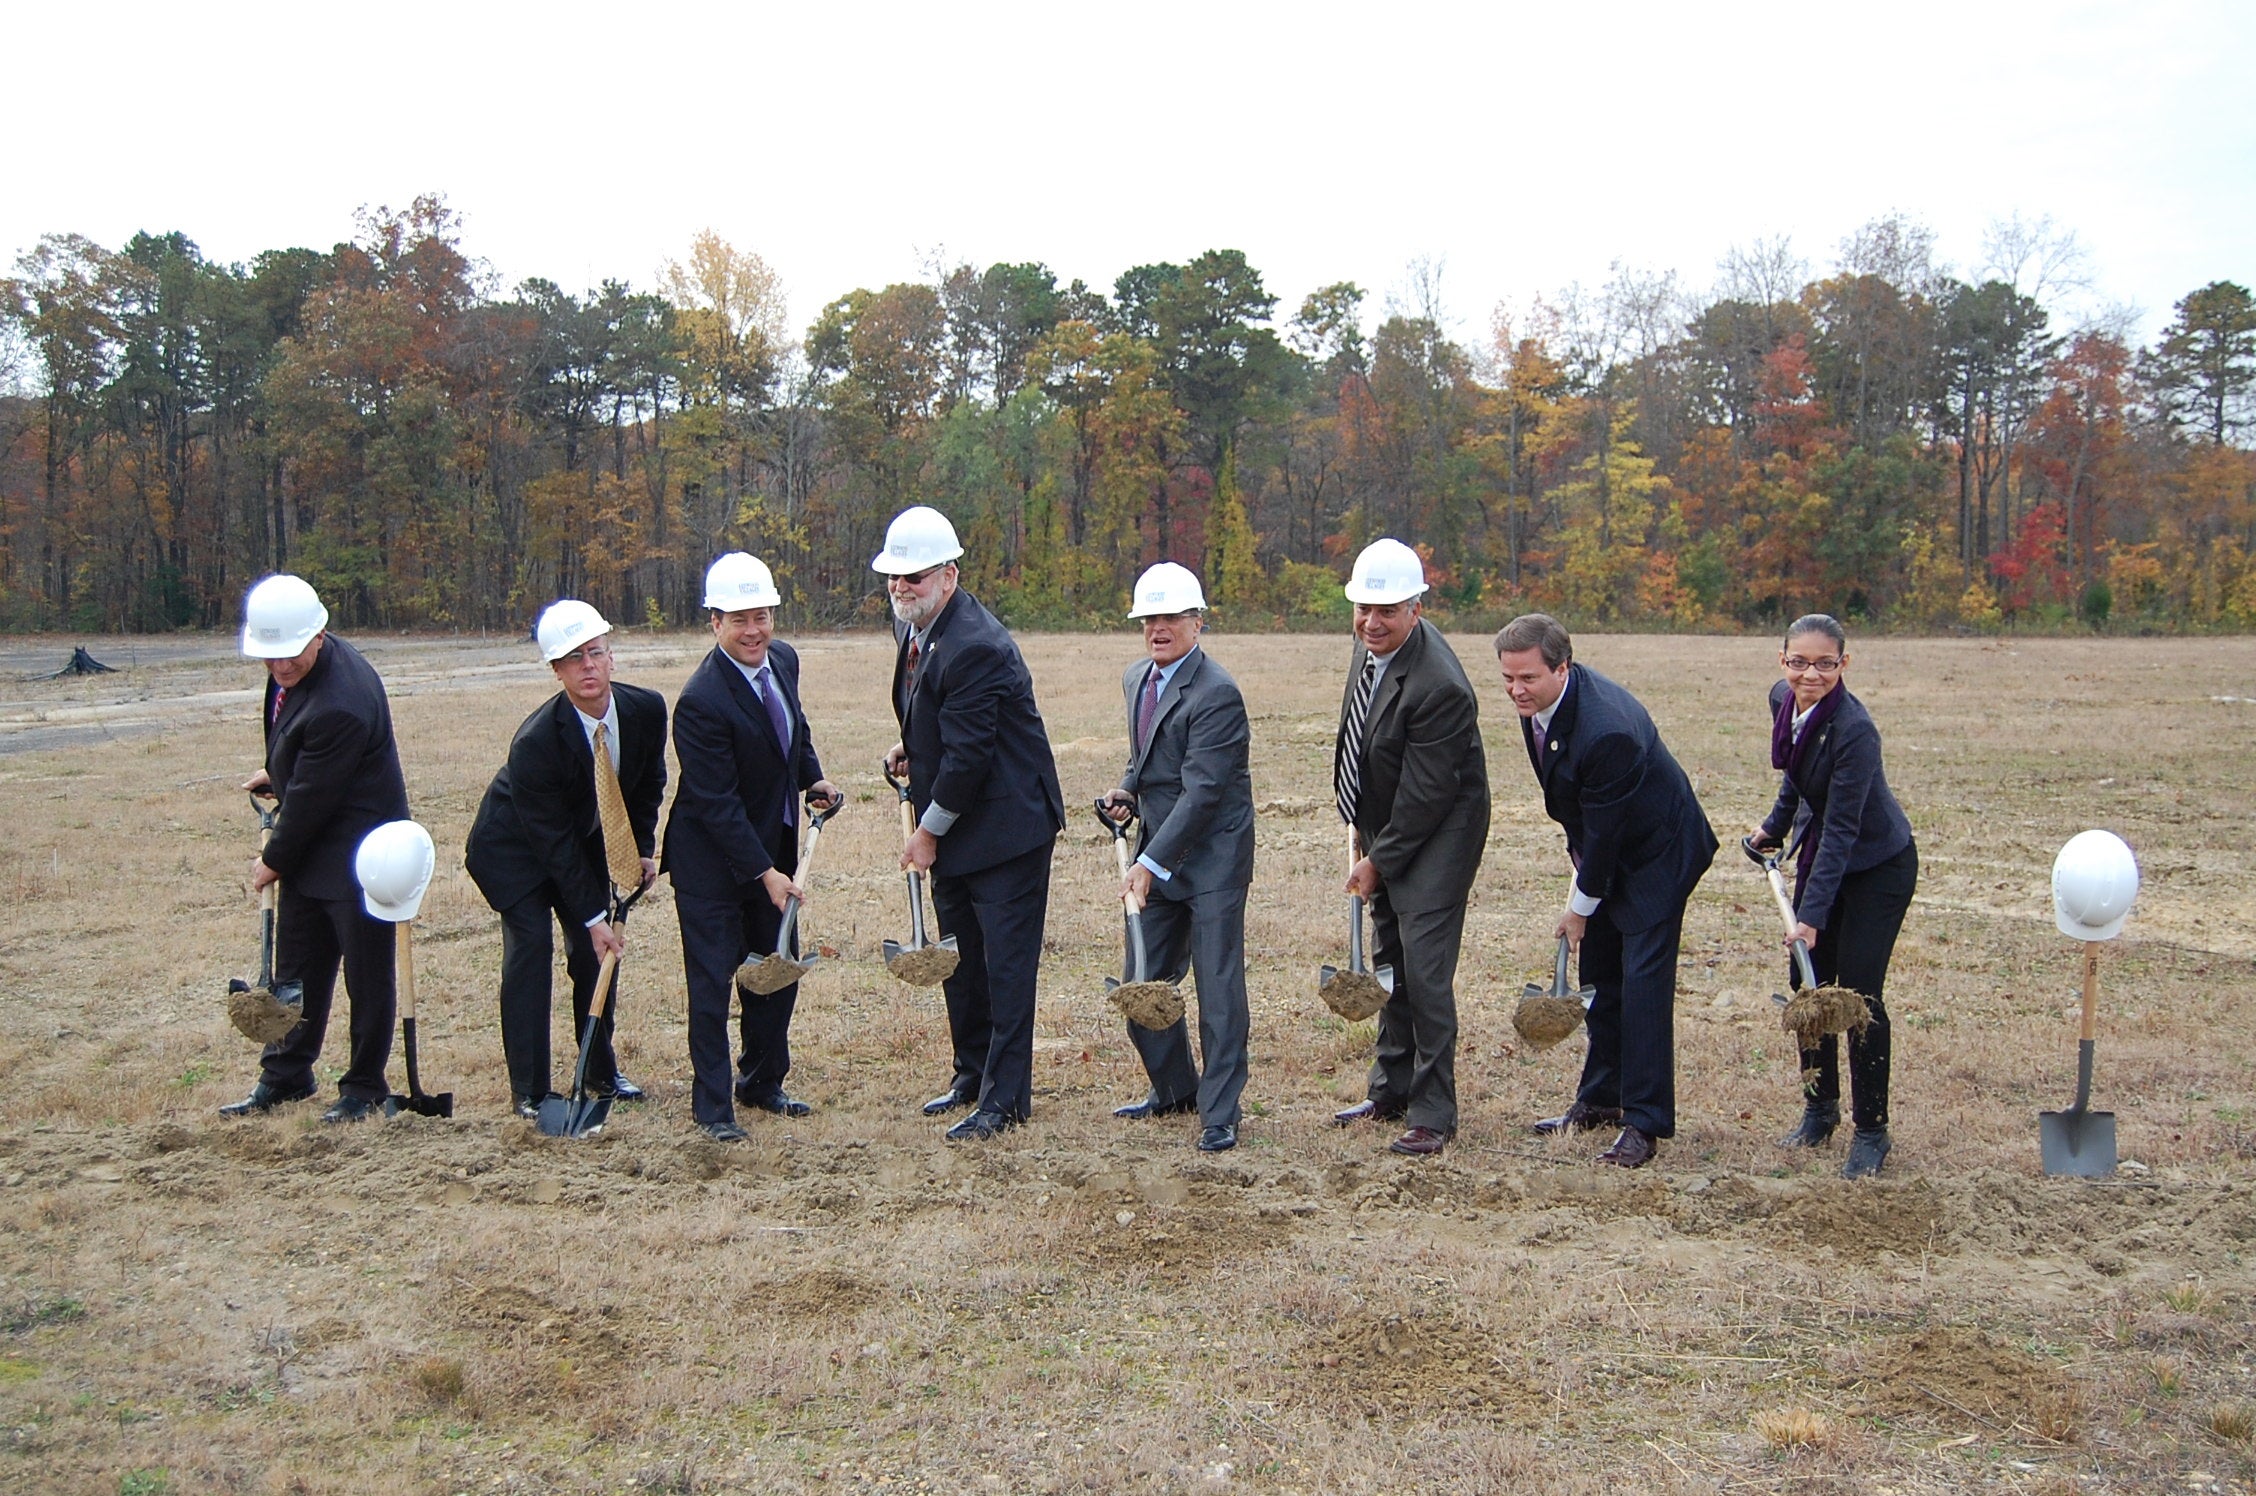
(1347, 773)
(771, 697)
(281, 694)
(620, 855)
(1147, 707)
(908, 676)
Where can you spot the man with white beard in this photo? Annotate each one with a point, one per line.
(984, 787)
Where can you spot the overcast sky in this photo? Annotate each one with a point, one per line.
(851, 145)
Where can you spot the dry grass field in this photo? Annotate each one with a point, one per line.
(189, 1304)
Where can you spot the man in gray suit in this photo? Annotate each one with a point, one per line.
(1187, 776)
(1409, 775)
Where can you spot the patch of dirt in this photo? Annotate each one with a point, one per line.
(1414, 1366)
(1176, 1241)
(506, 1316)
(1862, 1222)
(1958, 1375)
(819, 1295)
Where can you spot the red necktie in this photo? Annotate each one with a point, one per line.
(1146, 709)
(281, 694)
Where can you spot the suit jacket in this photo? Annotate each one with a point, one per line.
(332, 761)
(975, 740)
(538, 822)
(736, 779)
(1193, 789)
(1636, 831)
(1423, 806)
(1841, 798)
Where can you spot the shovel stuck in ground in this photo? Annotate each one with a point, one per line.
(1546, 1015)
(265, 1014)
(1813, 1011)
(2080, 1141)
(922, 962)
(1358, 992)
(764, 976)
(417, 1100)
(1142, 1001)
(581, 1114)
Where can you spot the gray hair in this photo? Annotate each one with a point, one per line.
(1817, 623)
(1537, 631)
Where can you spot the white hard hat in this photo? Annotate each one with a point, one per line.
(917, 540)
(280, 617)
(1387, 572)
(1166, 588)
(738, 581)
(566, 626)
(394, 867)
(2094, 879)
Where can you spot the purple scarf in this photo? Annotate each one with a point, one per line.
(1787, 753)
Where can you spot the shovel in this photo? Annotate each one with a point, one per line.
(2080, 1141)
(1144, 1002)
(265, 1014)
(1358, 992)
(416, 1100)
(581, 1114)
(922, 962)
(769, 975)
(1813, 1011)
(1546, 1015)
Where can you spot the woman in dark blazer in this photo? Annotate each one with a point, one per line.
(1854, 872)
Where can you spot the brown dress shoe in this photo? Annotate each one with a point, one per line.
(1579, 1118)
(1632, 1150)
(1420, 1142)
(1364, 1111)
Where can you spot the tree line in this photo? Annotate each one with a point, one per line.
(1884, 440)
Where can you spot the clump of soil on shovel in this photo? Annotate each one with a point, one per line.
(1543, 1020)
(1152, 1005)
(1354, 995)
(258, 1017)
(1814, 1012)
(926, 966)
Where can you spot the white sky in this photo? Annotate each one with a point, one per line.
(848, 145)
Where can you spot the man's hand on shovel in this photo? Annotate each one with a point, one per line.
(1571, 929)
(1363, 879)
(918, 853)
(780, 888)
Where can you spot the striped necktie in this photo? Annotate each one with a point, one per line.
(1347, 772)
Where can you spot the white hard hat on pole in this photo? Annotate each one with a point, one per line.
(394, 868)
(2094, 880)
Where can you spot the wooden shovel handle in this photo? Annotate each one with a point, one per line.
(602, 998)
(2091, 991)
(1354, 850)
(403, 945)
(1120, 855)
(807, 852)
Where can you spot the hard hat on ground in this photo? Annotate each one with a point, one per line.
(394, 868)
(1166, 588)
(917, 540)
(738, 581)
(280, 617)
(2094, 880)
(567, 626)
(1387, 572)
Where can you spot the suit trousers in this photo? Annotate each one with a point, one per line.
(1205, 935)
(312, 937)
(1414, 1069)
(717, 935)
(1632, 1022)
(1854, 950)
(996, 915)
(527, 953)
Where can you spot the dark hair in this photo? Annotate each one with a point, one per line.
(1536, 631)
(1817, 623)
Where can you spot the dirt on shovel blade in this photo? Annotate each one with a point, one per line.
(1354, 995)
(1152, 1005)
(1543, 1020)
(259, 1017)
(1814, 1012)
(768, 975)
(925, 967)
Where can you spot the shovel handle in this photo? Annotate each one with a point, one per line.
(2091, 993)
(403, 946)
(602, 998)
(807, 853)
(1559, 970)
(1120, 856)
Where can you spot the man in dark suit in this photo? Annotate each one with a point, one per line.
(332, 764)
(1410, 776)
(1639, 843)
(538, 847)
(732, 841)
(1187, 778)
(984, 786)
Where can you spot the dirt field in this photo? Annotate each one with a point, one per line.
(189, 1304)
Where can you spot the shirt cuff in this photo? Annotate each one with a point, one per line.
(599, 919)
(1582, 904)
(1162, 874)
(937, 821)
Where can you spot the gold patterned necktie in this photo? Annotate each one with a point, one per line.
(619, 852)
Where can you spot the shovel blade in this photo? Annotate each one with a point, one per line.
(572, 1116)
(893, 949)
(1586, 997)
(771, 974)
(1385, 976)
(2076, 1143)
(1325, 976)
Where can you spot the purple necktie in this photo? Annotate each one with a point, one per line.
(1146, 708)
(772, 699)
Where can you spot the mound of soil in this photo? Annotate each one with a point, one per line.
(1542, 1020)
(1953, 1374)
(1415, 1365)
(1175, 1241)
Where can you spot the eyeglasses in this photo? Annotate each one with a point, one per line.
(1150, 620)
(1795, 665)
(919, 578)
(593, 654)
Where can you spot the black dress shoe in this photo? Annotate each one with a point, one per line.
(1819, 1118)
(1136, 1111)
(1868, 1150)
(620, 1089)
(352, 1109)
(1364, 1111)
(980, 1126)
(723, 1132)
(1218, 1139)
(949, 1100)
(1420, 1142)
(1632, 1150)
(263, 1098)
(777, 1102)
(1579, 1118)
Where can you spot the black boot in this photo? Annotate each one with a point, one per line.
(1868, 1150)
(1819, 1118)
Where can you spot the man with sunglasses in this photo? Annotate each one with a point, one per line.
(537, 848)
(983, 784)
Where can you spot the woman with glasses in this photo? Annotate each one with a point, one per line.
(1855, 866)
